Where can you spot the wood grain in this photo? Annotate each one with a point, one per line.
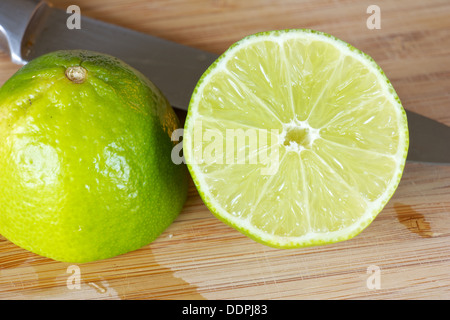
(199, 257)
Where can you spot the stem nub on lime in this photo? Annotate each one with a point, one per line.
(76, 74)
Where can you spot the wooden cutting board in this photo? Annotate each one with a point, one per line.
(403, 254)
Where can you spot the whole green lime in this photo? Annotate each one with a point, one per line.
(85, 158)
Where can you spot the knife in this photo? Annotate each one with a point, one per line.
(30, 28)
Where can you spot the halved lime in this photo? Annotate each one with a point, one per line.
(295, 138)
(85, 158)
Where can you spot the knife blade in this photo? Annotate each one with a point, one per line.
(30, 28)
(429, 140)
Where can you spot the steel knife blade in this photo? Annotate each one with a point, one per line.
(30, 28)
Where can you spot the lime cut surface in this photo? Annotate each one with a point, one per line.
(295, 138)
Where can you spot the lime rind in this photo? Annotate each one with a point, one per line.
(86, 171)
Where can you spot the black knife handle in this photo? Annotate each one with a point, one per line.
(15, 19)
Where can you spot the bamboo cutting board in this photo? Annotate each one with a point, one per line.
(403, 254)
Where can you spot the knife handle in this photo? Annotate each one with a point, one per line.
(15, 18)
